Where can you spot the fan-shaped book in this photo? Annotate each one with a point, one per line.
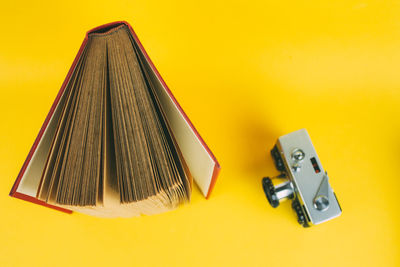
(115, 142)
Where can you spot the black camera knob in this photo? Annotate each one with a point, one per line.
(301, 217)
(269, 190)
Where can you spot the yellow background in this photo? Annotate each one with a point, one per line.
(245, 72)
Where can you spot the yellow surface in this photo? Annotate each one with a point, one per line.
(245, 72)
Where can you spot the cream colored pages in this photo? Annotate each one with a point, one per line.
(200, 163)
(31, 179)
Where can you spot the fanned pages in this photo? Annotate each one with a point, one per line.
(116, 142)
(113, 153)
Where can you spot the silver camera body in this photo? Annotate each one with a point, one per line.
(304, 180)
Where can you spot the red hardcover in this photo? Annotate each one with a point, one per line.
(16, 194)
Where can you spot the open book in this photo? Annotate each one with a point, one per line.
(115, 142)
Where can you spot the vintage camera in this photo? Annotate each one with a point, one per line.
(303, 180)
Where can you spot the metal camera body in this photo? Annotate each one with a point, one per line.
(304, 180)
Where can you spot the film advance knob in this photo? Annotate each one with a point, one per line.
(269, 191)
